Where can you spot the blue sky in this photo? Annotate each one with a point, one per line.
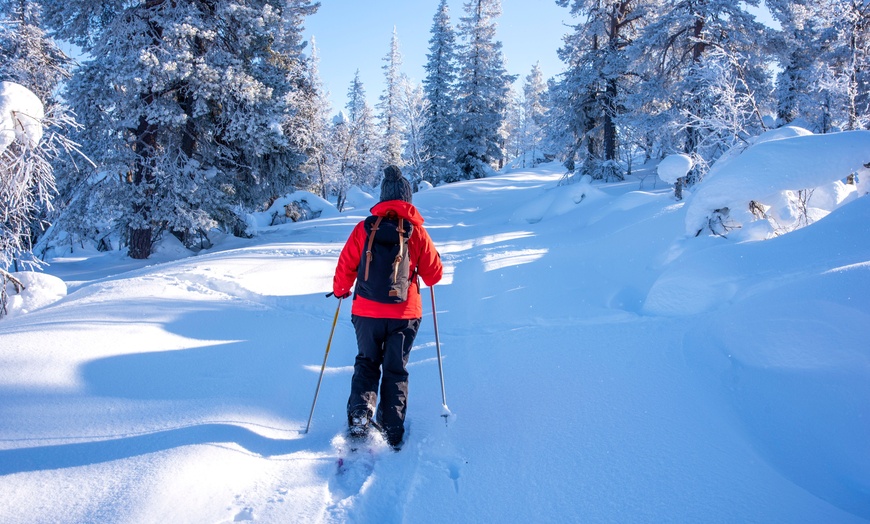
(354, 34)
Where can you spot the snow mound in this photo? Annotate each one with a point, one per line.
(40, 290)
(714, 278)
(284, 209)
(673, 167)
(358, 198)
(556, 202)
(21, 114)
(765, 172)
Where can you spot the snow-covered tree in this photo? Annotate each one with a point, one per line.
(412, 116)
(683, 47)
(183, 105)
(597, 79)
(482, 91)
(30, 58)
(389, 102)
(438, 87)
(825, 61)
(29, 141)
(355, 144)
(27, 55)
(533, 112)
(310, 127)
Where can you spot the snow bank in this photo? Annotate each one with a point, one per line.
(774, 165)
(707, 279)
(556, 202)
(318, 207)
(21, 114)
(358, 198)
(40, 290)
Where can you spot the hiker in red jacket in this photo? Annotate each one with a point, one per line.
(387, 307)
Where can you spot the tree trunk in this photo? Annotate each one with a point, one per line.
(146, 149)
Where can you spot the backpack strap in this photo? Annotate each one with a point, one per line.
(401, 250)
(375, 227)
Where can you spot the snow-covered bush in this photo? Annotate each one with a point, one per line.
(673, 170)
(295, 207)
(26, 179)
(786, 179)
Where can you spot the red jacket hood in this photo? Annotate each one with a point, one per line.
(404, 209)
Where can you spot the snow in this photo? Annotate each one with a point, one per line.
(39, 290)
(674, 167)
(21, 114)
(768, 169)
(599, 365)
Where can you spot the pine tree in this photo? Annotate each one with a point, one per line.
(412, 115)
(483, 91)
(309, 126)
(598, 79)
(437, 144)
(388, 104)
(184, 103)
(825, 56)
(355, 144)
(534, 112)
(682, 56)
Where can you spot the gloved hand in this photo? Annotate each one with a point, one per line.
(336, 295)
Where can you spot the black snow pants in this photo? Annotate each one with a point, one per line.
(382, 342)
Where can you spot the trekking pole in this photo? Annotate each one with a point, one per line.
(323, 367)
(445, 410)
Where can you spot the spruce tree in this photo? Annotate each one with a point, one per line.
(824, 84)
(309, 126)
(184, 103)
(598, 79)
(437, 143)
(482, 94)
(694, 57)
(389, 102)
(355, 143)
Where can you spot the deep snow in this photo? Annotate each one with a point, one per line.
(602, 366)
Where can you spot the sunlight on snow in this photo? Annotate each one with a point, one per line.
(495, 261)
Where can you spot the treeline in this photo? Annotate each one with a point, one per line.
(196, 113)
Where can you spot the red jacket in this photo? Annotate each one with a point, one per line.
(421, 252)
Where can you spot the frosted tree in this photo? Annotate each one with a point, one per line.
(27, 55)
(438, 87)
(184, 105)
(596, 80)
(413, 106)
(482, 93)
(29, 141)
(824, 49)
(309, 127)
(355, 144)
(30, 60)
(533, 115)
(687, 43)
(514, 127)
(389, 104)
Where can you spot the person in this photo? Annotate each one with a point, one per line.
(385, 331)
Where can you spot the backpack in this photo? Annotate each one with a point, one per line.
(384, 271)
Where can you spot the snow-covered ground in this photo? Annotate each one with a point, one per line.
(602, 366)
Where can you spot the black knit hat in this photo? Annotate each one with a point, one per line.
(395, 186)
